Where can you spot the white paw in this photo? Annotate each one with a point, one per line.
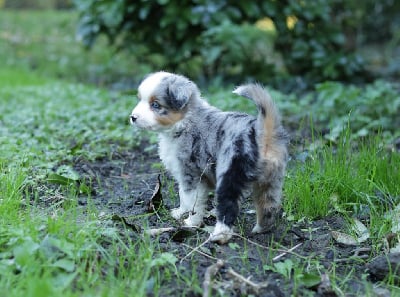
(258, 229)
(193, 221)
(221, 234)
(177, 213)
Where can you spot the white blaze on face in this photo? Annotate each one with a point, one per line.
(145, 117)
(147, 87)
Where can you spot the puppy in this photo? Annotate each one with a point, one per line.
(206, 150)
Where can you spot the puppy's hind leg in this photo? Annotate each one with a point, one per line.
(267, 201)
(228, 192)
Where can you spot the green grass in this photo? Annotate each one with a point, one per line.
(62, 254)
(60, 249)
(47, 43)
(53, 122)
(349, 180)
(367, 174)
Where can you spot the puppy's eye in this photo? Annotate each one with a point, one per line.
(155, 105)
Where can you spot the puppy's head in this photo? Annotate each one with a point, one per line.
(163, 101)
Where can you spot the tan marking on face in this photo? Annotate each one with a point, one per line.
(170, 118)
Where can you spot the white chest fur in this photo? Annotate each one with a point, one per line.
(168, 150)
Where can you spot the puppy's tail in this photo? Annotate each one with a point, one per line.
(271, 137)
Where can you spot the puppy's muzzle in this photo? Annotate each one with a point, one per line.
(133, 119)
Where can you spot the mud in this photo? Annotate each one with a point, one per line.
(296, 258)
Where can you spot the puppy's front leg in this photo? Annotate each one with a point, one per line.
(184, 204)
(193, 202)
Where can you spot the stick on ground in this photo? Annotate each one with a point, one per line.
(211, 271)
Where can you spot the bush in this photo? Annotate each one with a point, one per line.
(316, 39)
(311, 38)
(173, 30)
(335, 108)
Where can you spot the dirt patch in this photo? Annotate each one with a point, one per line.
(295, 259)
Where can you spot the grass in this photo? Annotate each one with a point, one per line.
(49, 246)
(53, 49)
(365, 175)
(359, 181)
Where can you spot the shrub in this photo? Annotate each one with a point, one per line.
(362, 111)
(311, 38)
(172, 31)
(316, 39)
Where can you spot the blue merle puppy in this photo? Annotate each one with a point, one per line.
(206, 150)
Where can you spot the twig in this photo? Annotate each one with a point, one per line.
(200, 252)
(250, 241)
(286, 252)
(255, 287)
(289, 251)
(356, 255)
(361, 250)
(158, 231)
(196, 249)
(210, 272)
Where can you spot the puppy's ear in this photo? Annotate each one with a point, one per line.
(179, 91)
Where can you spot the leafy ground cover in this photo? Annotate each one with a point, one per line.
(84, 200)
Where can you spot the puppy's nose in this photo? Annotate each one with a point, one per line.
(133, 118)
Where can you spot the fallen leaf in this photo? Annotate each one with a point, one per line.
(344, 238)
(118, 218)
(158, 231)
(361, 230)
(155, 201)
(182, 233)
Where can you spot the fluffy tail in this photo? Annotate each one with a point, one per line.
(271, 138)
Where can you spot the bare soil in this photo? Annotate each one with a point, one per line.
(128, 187)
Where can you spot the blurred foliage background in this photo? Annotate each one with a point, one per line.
(290, 44)
(313, 40)
(36, 4)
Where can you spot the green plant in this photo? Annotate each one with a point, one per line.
(237, 50)
(312, 41)
(315, 38)
(71, 129)
(342, 176)
(184, 35)
(369, 110)
(12, 182)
